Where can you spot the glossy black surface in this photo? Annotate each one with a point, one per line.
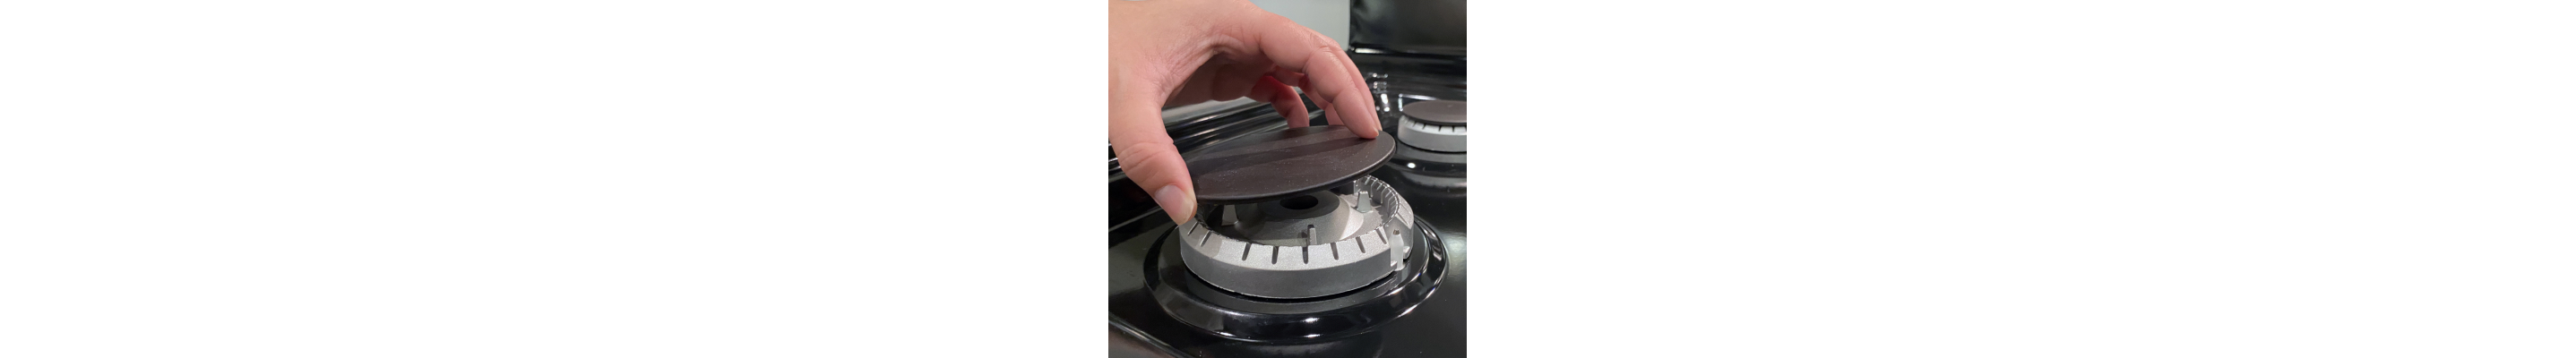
(1430, 27)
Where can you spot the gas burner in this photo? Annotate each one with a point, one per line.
(1291, 214)
(1189, 298)
(1294, 241)
(1437, 125)
(1308, 245)
(1259, 184)
(1294, 215)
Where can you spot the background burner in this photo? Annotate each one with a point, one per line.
(1436, 125)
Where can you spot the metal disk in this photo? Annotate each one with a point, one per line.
(1276, 165)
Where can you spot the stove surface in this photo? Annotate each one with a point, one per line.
(1433, 182)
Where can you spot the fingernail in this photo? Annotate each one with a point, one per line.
(1179, 204)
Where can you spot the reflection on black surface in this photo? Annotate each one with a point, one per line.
(1358, 346)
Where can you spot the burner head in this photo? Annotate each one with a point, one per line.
(1279, 165)
(1308, 245)
(1438, 112)
(1434, 125)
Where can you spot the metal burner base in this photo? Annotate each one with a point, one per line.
(1308, 245)
(1190, 300)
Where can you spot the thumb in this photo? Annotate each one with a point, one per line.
(1146, 153)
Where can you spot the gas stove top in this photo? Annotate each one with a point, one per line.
(1409, 208)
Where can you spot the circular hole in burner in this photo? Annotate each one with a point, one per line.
(1302, 202)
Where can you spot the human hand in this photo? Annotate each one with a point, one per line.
(1189, 51)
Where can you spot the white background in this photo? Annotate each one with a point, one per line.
(775, 179)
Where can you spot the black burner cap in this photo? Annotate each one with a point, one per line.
(1275, 165)
(1447, 113)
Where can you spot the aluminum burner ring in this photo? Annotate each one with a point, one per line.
(1312, 245)
(1434, 125)
(1190, 300)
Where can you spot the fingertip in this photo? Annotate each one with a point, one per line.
(1177, 202)
(1367, 124)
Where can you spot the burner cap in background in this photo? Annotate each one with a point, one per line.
(1445, 113)
(1434, 125)
(1272, 166)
